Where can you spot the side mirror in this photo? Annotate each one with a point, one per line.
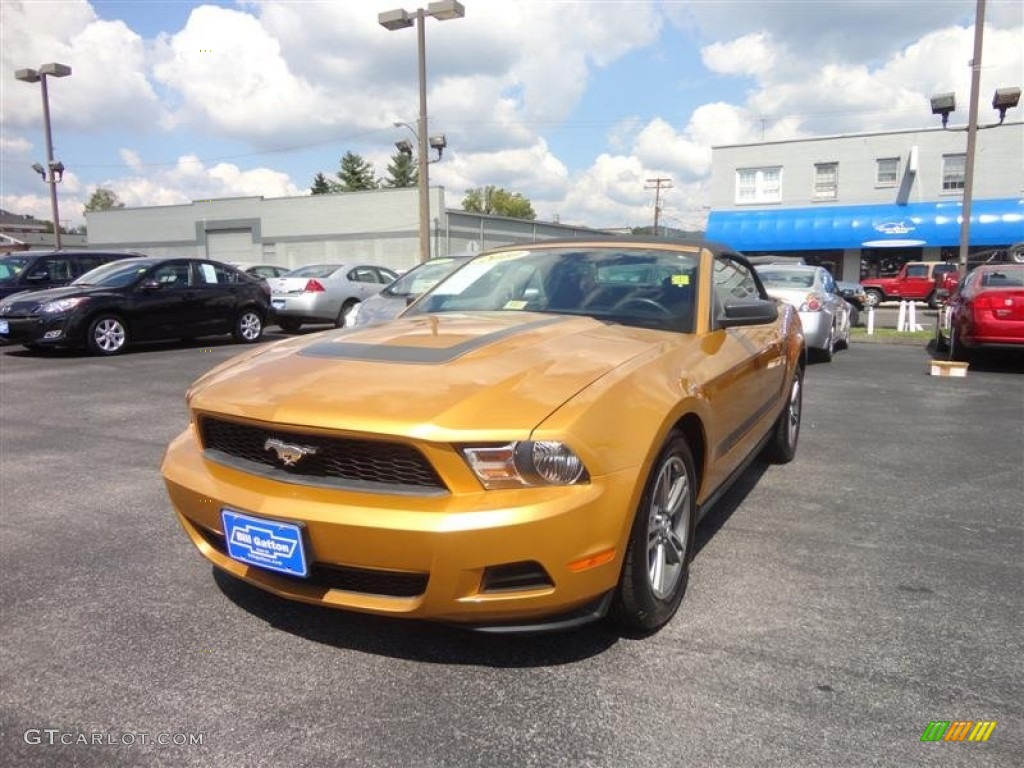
(149, 285)
(750, 312)
(37, 277)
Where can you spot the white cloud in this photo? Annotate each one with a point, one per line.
(107, 84)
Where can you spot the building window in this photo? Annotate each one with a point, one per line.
(826, 181)
(759, 185)
(954, 169)
(888, 173)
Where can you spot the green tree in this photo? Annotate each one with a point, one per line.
(322, 185)
(498, 201)
(103, 199)
(402, 172)
(356, 174)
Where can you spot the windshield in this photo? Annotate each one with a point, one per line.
(786, 278)
(116, 274)
(633, 286)
(11, 267)
(422, 278)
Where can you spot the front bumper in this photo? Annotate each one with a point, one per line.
(49, 330)
(421, 557)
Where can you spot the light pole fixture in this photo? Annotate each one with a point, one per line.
(401, 19)
(945, 103)
(56, 168)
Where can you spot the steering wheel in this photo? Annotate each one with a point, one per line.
(642, 302)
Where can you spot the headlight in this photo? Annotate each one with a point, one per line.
(62, 305)
(526, 463)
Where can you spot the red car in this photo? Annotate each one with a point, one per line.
(985, 310)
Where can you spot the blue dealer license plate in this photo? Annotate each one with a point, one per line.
(264, 543)
(278, 303)
(4, 327)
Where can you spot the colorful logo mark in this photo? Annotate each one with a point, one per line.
(958, 730)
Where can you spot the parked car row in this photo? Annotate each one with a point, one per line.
(104, 301)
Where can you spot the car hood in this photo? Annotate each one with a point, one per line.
(429, 376)
(31, 300)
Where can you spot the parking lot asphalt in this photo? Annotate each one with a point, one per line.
(837, 605)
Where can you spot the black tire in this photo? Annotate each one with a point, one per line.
(854, 316)
(108, 335)
(957, 351)
(656, 568)
(874, 297)
(933, 300)
(248, 327)
(289, 325)
(345, 308)
(781, 446)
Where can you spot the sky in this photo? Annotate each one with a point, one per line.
(575, 104)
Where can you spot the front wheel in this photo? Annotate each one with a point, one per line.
(107, 335)
(288, 325)
(248, 327)
(343, 320)
(874, 297)
(781, 447)
(656, 567)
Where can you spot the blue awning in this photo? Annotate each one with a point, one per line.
(993, 222)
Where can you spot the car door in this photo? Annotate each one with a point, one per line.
(917, 283)
(161, 304)
(365, 281)
(214, 300)
(837, 306)
(745, 397)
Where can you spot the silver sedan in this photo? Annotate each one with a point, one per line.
(324, 293)
(824, 313)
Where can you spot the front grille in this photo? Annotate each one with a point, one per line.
(346, 462)
(368, 581)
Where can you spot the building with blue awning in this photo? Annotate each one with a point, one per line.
(864, 204)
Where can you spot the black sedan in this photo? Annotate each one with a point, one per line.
(139, 299)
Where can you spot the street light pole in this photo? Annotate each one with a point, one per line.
(443, 10)
(972, 138)
(421, 138)
(33, 76)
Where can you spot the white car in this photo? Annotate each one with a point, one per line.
(824, 313)
(324, 293)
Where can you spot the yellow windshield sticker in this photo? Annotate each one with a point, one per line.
(680, 279)
(515, 304)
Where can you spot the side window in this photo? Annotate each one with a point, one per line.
(174, 274)
(208, 273)
(87, 262)
(828, 283)
(363, 275)
(386, 275)
(917, 270)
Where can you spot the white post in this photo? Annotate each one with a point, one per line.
(901, 319)
(871, 321)
(911, 316)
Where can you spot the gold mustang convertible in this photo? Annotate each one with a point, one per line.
(529, 446)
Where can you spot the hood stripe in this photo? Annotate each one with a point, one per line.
(393, 353)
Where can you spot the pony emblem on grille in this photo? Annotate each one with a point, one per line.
(288, 454)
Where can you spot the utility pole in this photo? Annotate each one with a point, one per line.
(658, 184)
